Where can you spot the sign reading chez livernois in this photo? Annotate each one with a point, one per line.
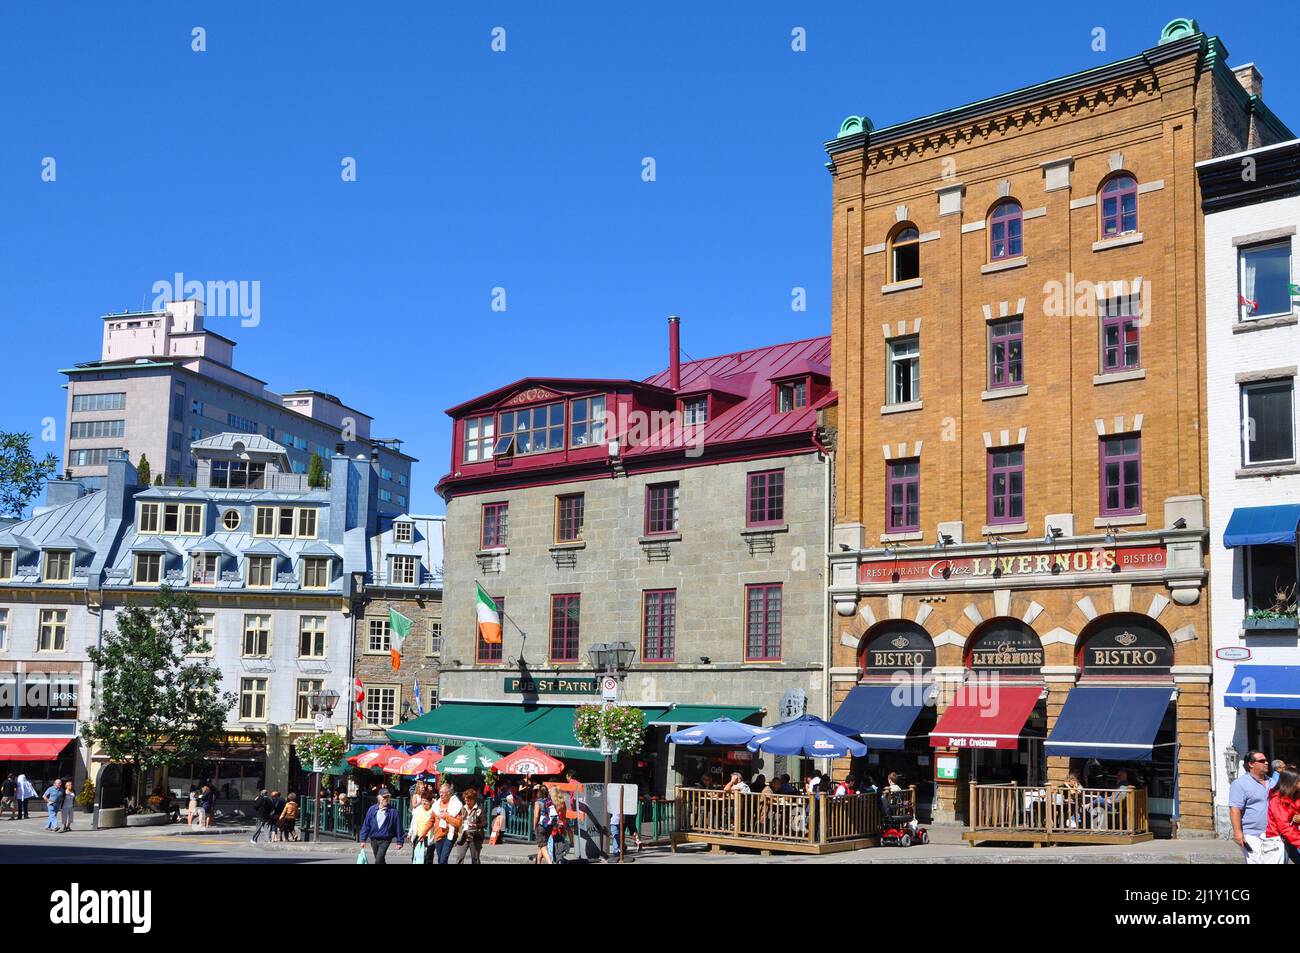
(1072, 562)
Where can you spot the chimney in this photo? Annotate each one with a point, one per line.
(674, 352)
(1249, 78)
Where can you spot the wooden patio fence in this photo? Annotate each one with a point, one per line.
(1056, 814)
(802, 823)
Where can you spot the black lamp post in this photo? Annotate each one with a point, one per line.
(322, 704)
(611, 658)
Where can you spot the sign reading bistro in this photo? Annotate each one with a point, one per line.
(1097, 560)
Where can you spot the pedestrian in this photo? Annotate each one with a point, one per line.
(1248, 808)
(53, 798)
(69, 805)
(1282, 808)
(422, 821)
(262, 809)
(447, 809)
(382, 826)
(469, 838)
(193, 811)
(25, 793)
(277, 806)
(544, 817)
(289, 818)
(9, 797)
(207, 798)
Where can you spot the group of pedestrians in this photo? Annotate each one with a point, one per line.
(1263, 804)
(60, 804)
(14, 795)
(446, 828)
(276, 815)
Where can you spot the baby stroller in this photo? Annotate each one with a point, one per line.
(898, 824)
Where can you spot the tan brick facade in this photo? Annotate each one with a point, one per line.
(1050, 149)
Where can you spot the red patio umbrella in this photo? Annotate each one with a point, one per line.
(422, 762)
(376, 758)
(528, 760)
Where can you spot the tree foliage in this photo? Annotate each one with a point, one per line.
(316, 471)
(143, 473)
(21, 474)
(154, 707)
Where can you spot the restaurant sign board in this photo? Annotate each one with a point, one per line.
(1026, 565)
(898, 646)
(550, 685)
(1127, 645)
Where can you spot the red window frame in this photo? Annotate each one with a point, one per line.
(1118, 204)
(1006, 231)
(765, 498)
(903, 475)
(1008, 470)
(494, 530)
(566, 613)
(660, 517)
(1127, 469)
(488, 653)
(658, 625)
(763, 632)
(569, 511)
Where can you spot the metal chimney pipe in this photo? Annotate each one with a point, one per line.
(674, 352)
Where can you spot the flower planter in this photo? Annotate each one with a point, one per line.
(147, 820)
(1266, 625)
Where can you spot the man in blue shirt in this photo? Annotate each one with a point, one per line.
(1248, 806)
(382, 826)
(53, 804)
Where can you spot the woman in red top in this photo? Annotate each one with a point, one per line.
(1282, 808)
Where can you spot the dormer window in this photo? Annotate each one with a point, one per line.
(237, 474)
(587, 422)
(536, 430)
(791, 395)
(403, 532)
(58, 565)
(6, 563)
(695, 410)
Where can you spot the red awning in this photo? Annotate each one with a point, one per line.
(991, 717)
(32, 749)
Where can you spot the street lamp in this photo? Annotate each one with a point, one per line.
(322, 708)
(611, 658)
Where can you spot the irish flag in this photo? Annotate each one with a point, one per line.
(489, 616)
(399, 627)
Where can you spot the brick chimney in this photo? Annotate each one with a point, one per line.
(674, 352)
(1250, 78)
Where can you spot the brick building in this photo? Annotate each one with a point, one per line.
(1018, 346)
(685, 514)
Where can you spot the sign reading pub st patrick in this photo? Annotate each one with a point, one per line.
(994, 566)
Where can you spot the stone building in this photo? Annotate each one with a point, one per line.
(1252, 340)
(1018, 346)
(685, 514)
(407, 578)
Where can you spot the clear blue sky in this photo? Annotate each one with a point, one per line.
(477, 170)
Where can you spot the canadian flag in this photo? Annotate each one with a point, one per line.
(359, 697)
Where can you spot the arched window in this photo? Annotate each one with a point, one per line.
(905, 253)
(893, 647)
(1005, 225)
(1119, 205)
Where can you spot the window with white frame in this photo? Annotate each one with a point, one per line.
(904, 384)
(148, 569)
(261, 571)
(307, 523)
(312, 636)
(1264, 276)
(204, 569)
(4, 630)
(205, 636)
(58, 565)
(7, 563)
(405, 570)
(381, 705)
(306, 686)
(316, 573)
(435, 638)
(403, 531)
(377, 635)
(257, 635)
(252, 699)
(53, 636)
(1268, 422)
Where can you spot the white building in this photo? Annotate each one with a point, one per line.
(1252, 344)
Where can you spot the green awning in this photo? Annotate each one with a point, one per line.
(699, 714)
(504, 726)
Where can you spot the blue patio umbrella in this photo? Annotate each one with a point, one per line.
(808, 736)
(720, 731)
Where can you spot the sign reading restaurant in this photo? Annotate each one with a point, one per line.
(1074, 561)
(519, 685)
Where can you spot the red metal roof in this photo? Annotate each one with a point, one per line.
(755, 417)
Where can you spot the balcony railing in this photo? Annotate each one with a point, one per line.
(802, 822)
(1056, 812)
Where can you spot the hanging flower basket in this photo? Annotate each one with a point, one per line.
(622, 728)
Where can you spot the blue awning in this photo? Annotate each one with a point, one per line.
(1109, 723)
(1264, 686)
(1262, 525)
(881, 715)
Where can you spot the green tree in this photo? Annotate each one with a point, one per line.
(316, 471)
(21, 474)
(153, 707)
(142, 472)
(157, 481)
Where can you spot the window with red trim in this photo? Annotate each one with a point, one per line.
(765, 498)
(568, 517)
(763, 623)
(1121, 475)
(661, 508)
(791, 395)
(490, 651)
(658, 624)
(496, 525)
(565, 610)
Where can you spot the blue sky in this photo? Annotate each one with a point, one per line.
(477, 170)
